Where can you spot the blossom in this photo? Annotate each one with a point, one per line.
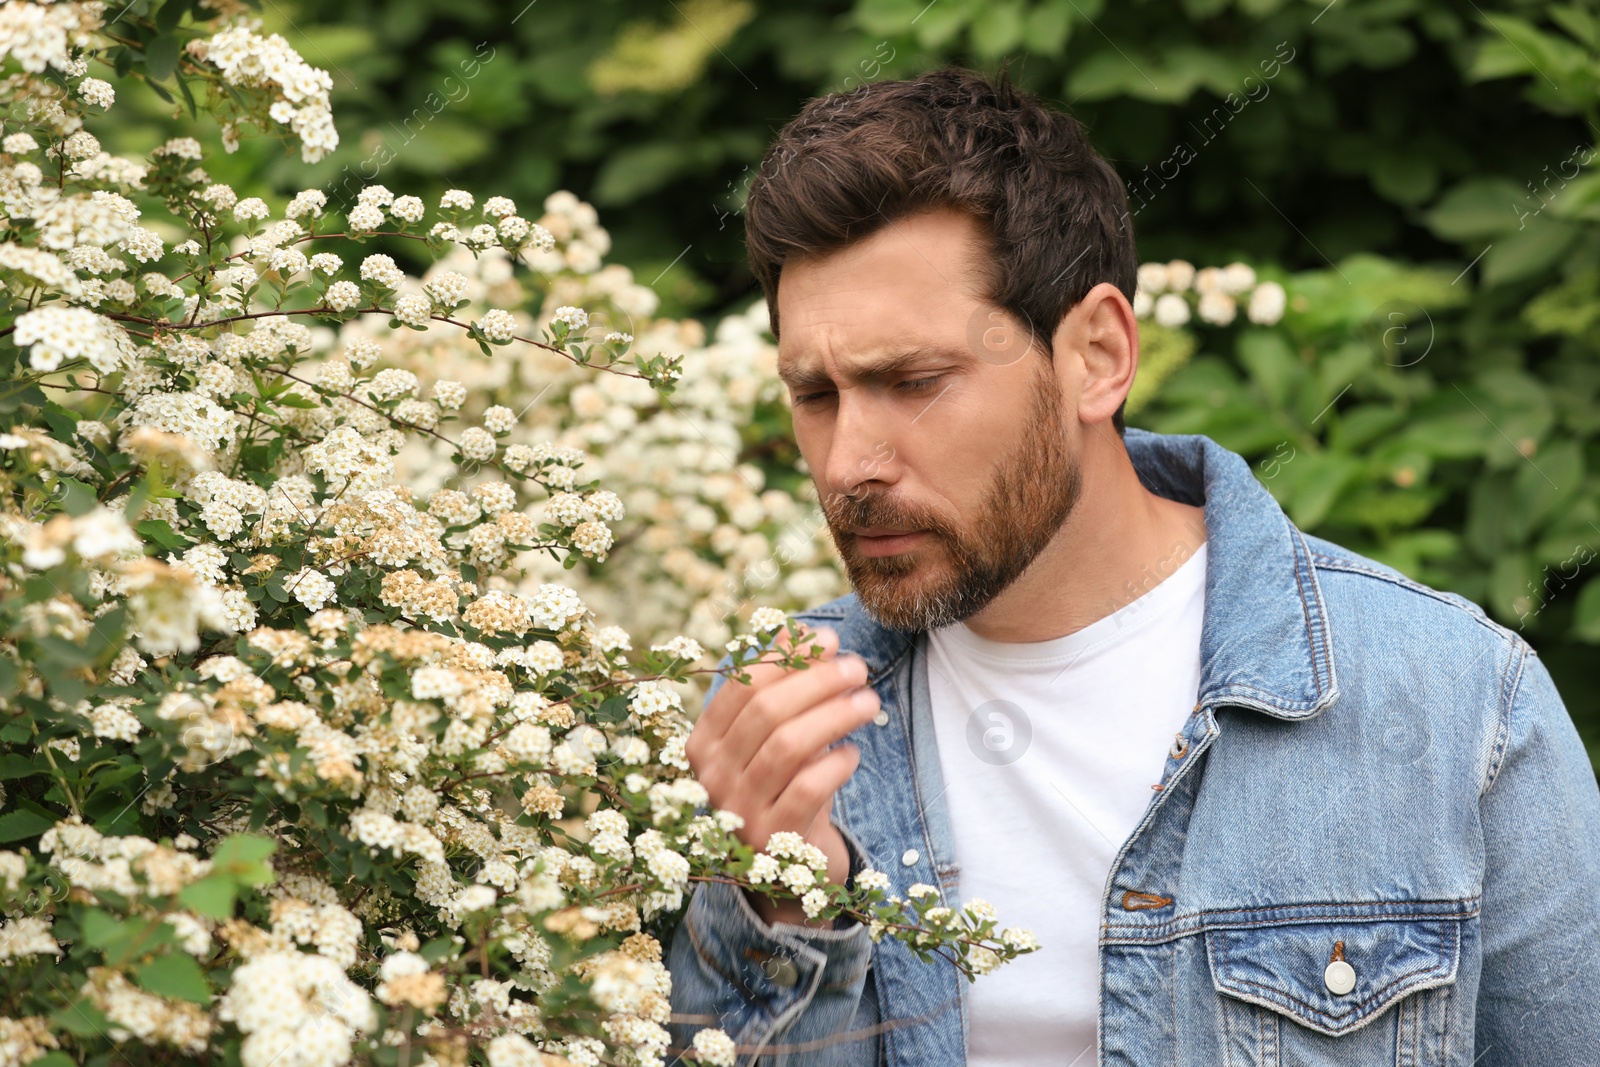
(53, 334)
(311, 588)
(413, 310)
(250, 209)
(1171, 310)
(380, 270)
(574, 318)
(477, 444)
(497, 325)
(1267, 302)
(342, 295)
(1217, 307)
(407, 208)
(714, 1048)
(499, 419)
(364, 217)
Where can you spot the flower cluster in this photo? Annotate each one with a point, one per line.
(1165, 291)
(317, 748)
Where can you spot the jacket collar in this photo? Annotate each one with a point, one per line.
(1265, 642)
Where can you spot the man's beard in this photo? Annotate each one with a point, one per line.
(963, 568)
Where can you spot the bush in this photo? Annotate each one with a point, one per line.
(304, 758)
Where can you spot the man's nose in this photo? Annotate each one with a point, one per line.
(860, 451)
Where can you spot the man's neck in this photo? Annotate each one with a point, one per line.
(1120, 541)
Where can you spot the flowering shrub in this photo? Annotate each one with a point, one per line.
(305, 759)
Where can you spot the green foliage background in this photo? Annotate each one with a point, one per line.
(1419, 173)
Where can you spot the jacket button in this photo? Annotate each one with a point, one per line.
(910, 858)
(1180, 745)
(882, 718)
(1340, 977)
(781, 970)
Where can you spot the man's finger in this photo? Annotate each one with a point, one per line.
(724, 708)
(774, 703)
(798, 741)
(814, 785)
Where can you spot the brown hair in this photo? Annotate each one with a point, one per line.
(850, 163)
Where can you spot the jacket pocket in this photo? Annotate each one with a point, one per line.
(1333, 977)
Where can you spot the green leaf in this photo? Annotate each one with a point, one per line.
(437, 949)
(632, 171)
(160, 57)
(1586, 613)
(611, 710)
(20, 825)
(16, 765)
(1482, 207)
(162, 533)
(1535, 247)
(241, 856)
(81, 1019)
(175, 975)
(997, 29)
(1272, 366)
(1049, 25)
(211, 896)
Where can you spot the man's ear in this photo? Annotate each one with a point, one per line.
(1097, 343)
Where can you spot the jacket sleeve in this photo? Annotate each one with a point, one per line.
(790, 994)
(1541, 892)
(793, 993)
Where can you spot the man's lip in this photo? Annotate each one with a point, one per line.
(882, 531)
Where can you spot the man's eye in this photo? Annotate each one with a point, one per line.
(811, 398)
(917, 385)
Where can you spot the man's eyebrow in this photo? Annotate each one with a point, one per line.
(886, 365)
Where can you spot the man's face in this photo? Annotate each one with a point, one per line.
(934, 430)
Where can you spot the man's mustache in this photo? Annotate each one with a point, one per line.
(875, 509)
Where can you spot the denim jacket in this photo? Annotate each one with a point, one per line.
(1371, 764)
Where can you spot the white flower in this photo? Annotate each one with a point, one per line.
(413, 310)
(307, 202)
(381, 270)
(477, 444)
(497, 325)
(499, 419)
(574, 317)
(19, 144)
(311, 588)
(447, 289)
(343, 295)
(499, 206)
(813, 902)
(327, 263)
(97, 92)
(1236, 278)
(250, 209)
(767, 620)
(456, 198)
(1267, 304)
(449, 395)
(475, 898)
(1180, 275)
(407, 208)
(53, 334)
(1152, 277)
(714, 1048)
(365, 217)
(872, 879)
(683, 648)
(1171, 310)
(1217, 307)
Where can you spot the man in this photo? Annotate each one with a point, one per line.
(1262, 800)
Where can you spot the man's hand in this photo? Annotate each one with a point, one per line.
(761, 751)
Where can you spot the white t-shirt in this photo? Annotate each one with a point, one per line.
(1049, 750)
